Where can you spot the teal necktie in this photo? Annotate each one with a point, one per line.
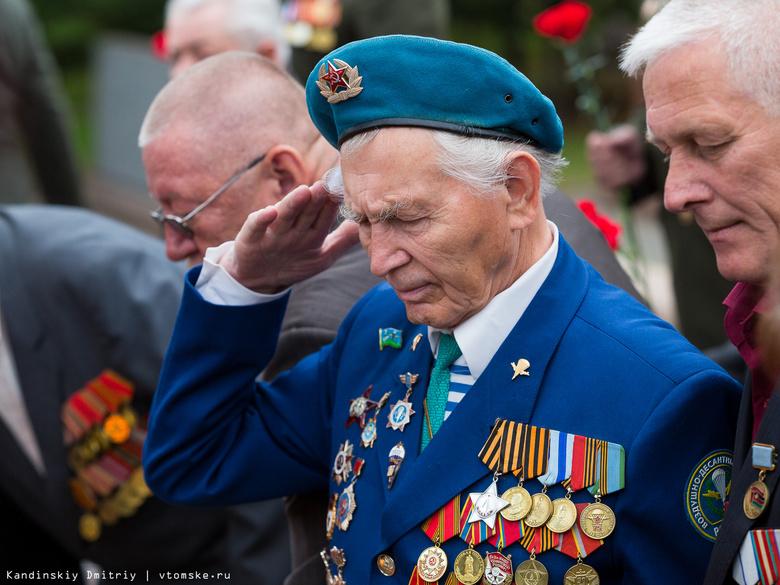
(439, 386)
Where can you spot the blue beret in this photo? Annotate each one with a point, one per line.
(429, 83)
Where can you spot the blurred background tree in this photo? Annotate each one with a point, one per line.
(502, 26)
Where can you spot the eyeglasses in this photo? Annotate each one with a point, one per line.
(180, 223)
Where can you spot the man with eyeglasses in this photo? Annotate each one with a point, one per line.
(227, 137)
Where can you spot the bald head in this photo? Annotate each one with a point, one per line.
(236, 102)
(208, 124)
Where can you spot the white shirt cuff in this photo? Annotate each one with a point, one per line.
(217, 287)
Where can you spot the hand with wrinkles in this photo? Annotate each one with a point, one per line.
(290, 241)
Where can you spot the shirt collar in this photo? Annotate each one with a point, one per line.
(480, 336)
(743, 307)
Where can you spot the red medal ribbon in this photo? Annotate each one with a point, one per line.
(507, 532)
(575, 542)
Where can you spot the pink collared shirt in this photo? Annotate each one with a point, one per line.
(744, 307)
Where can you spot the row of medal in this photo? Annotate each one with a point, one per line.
(342, 506)
(105, 438)
(536, 522)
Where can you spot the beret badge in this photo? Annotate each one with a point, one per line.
(340, 76)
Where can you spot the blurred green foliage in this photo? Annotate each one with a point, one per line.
(502, 26)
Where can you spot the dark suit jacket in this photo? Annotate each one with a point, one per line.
(36, 146)
(80, 293)
(736, 524)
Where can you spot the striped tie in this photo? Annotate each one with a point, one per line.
(439, 386)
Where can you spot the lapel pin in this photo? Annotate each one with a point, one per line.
(521, 368)
(416, 340)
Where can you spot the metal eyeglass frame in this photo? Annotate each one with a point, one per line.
(180, 223)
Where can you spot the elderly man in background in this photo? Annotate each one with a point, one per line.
(712, 89)
(197, 29)
(443, 175)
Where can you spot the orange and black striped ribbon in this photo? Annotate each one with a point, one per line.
(538, 540)
(517, 448)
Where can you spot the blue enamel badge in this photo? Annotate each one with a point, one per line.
(707, 491)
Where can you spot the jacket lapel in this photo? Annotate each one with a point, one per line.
(735, 523)
(452, 456)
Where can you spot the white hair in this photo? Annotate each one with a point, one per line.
(249, 21)
(747, 31)
(479, 163)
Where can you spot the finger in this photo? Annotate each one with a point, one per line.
(290, 208)
(311, 217)
(340, 240)
(257, 224)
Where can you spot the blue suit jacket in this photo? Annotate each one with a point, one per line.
(602, 366)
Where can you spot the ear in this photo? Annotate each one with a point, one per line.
(523, 190)
(287, 168)
(267, 48)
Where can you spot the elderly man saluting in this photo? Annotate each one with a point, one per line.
(496, 411)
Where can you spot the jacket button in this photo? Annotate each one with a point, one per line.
(386, 565)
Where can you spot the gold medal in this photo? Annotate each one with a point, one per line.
(432, 564)
(581, 574)
(757, 497)
(541, 510)
(755, 500)
(597, 521)
(90, 527)
(117, 428)
(498, 569)
(330, 519)
(531, 572)
(468, 567)
(564, 515)
(109, 513)
(520, 503)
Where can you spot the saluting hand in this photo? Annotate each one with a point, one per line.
(290, 241)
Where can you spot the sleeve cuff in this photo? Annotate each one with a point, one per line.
(216, 286)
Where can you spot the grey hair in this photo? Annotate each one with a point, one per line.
(746, 28)
(479, 163)
(250, 21)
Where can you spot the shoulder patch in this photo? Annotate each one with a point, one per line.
(706, 492)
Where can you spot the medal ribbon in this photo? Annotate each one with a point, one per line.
(445, 522)
(574, 542)
(473, 532)
(538, 540)
(507, 532)
(559, 462)
(502, 451)
(758, 558)
(611, 469)
(415, 579)
(584, 463)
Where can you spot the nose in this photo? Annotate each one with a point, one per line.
(178, 246)
(684, 188)
(382, 245)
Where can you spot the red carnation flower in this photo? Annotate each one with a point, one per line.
(610, 229)
(158, 45)
(566, 21)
